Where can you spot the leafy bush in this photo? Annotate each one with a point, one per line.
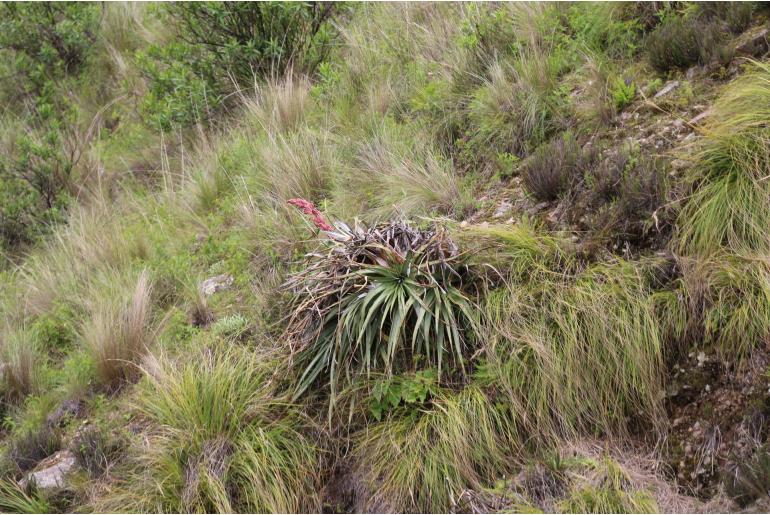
(555, 167)
(410, 391)
(379, 299)
(682, 41)
(48, 39)
(222, 42)
(46, 43)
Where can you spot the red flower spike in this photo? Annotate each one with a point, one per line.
(309, 209)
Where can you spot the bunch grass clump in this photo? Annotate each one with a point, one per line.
(573, 348)
(606, 488)
(729, 299)
(729, 208)
(422, 463)
(119, 332)
(222, 442)
(381, 299)
(20, 360)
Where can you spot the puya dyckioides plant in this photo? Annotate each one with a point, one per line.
(383, 299)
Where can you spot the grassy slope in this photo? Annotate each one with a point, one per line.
(426, 111)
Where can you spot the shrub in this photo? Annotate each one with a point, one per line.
(736, 15)
(49, 39)
(118, 333)
(222, 442)
(380, 299)
(678, 42)
(47, 42)
(555, 167)
(624, 193)
(225, 42)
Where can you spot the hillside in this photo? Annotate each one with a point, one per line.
(315, 257)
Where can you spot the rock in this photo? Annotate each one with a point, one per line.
(668, 88)
(680, 164)
(217, 283)
(502, 209)
(51, 472)
(753, 43)
(68, 408)
(699, 117)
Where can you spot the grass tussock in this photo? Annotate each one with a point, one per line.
(280, 106)
(402, 180)
(118, 332)
(14, 499)
(728, 208)
(574, 351)
(729, 301)
(221, 442)
(422, 463)
(20, 363)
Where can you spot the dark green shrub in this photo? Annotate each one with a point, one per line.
(555, 167)
(47, 40)
(225, 43)
(674, 44)
(45, 43)
(622, 194)
(736, 15)
(683, 41)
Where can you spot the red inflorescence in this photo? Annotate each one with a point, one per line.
(309, 208)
